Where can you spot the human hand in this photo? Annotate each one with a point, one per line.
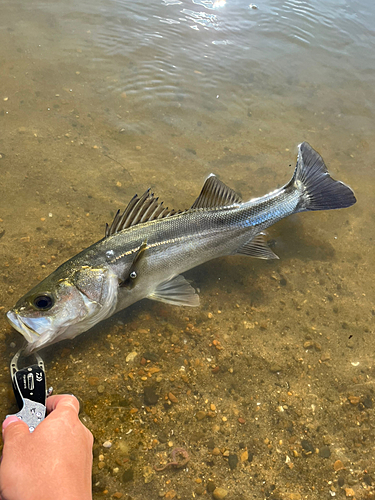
(54, 462)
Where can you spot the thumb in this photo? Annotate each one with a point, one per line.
(13, 426)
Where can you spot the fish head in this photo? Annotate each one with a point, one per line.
(66, 303)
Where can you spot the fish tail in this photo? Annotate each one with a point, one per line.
(318, 190)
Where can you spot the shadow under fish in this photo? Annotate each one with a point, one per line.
(147, 247)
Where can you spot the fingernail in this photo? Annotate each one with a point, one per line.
(9, 420)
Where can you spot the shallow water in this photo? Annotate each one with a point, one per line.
(100, 100)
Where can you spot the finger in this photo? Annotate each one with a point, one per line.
(13, 427)
(62, 401)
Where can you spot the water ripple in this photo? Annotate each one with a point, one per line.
(188, 51)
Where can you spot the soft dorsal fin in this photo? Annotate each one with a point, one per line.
(216, 194)
(139, 210)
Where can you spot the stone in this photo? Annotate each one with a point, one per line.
(308, 447)
(354, 399)
(172, 397)
(338, 465)
(233, 461)
(150, 396)
(128, 475)
(219, 493)
(210, 486)
(131, 356)
(148, 474)
(324, 452)
(170, 494)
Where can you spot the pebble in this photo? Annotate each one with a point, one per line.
(324, 452)
(219, 493)
(172, 397)
(101, 465)
(131, 356)
(308, 448)
(170, 494)
(338, 465)
(216, 452)
(274, 368)
(210, 486)
(199, 490)
(211, 444)
(244, 456)
(118, 494)
(233, 461)
(107, 444)
(200, 415)
(354, 400)
(367, 402)
(148, 474)
(128, 475)
(150, 396)
(325, 356)
(349, 492)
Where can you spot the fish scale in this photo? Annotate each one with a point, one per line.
(147, 247)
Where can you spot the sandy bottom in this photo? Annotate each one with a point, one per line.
(268, 386)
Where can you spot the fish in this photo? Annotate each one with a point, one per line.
(147, 247)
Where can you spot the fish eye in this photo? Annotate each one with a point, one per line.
(43, 302)
(133, 275)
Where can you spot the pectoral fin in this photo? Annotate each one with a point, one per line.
(176, 291)
(258, 248)
(130, 279)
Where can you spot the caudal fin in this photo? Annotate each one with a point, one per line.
(319, 190)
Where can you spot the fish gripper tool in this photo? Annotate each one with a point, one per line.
(29, 387)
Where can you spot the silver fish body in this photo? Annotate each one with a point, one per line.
(146, 249)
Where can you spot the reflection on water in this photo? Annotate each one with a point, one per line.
(100, 100)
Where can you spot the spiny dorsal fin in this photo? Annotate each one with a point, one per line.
(139, 210)
(216, 194)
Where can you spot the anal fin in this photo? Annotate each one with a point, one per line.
(257, 247)
(176, 291)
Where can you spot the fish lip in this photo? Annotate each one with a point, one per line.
(29, 333)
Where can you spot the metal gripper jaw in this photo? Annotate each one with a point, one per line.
(29, 387)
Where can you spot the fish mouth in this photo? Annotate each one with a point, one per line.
(18, 324)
